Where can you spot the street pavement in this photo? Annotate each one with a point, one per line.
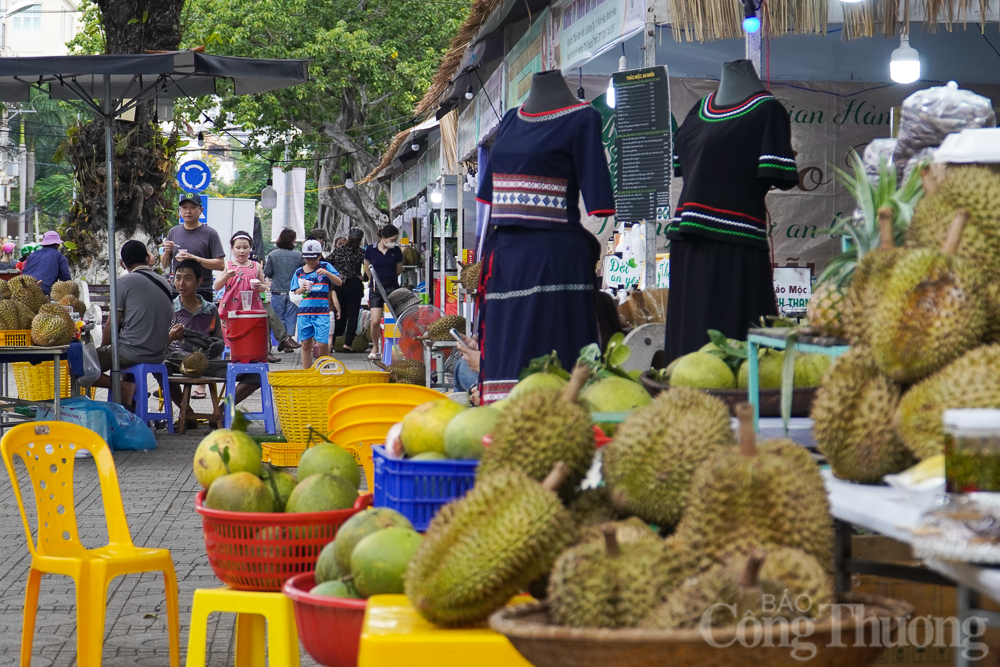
(158, 489)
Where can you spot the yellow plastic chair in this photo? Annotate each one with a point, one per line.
(362, 416)
(48, 449)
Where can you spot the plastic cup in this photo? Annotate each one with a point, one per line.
(254, 283)
(246, 297)
(181, 251)
(308, 284)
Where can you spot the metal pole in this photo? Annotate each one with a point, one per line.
(649, 227)
(22, 186)
(753, 49)
(116, 380)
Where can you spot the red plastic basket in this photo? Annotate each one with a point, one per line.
(256, 551)
(329, 628)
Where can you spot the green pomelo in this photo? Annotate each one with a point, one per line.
(538, 381)
(332, 589)
(463, 439)
(429, 456)
(809, 369)
(360, 526)
(614, 394)
(669, 370)
(322, 493)
(498, 405)
(326, 565)
(281, 484)
(424, 426)
(244, 456)
(379, 561)
(330, 459)
(769, 370)
(702, 370)
(712, 347)
(239, 492)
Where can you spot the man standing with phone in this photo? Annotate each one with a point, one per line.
(197, 241)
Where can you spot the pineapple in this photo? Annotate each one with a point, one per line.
(861, 233)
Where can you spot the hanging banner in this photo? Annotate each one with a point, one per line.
(588, 28)
(525, 59)
(490, 104)
(468, 132)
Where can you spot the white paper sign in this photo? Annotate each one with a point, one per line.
(621, 273)
(793, 287)
(663, 272)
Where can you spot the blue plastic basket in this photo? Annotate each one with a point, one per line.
(418, 489)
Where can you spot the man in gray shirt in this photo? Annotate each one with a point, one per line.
(199, 242)
(145, 316)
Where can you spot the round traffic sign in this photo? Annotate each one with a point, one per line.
(194, 176)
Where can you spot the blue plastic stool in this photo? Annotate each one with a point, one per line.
(267, 408)
(140, 374)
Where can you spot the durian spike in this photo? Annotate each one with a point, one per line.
(576, 381)
(955, 233)
(610, 541)
(886, 214)
(560, 471)
(750, 576)
(748, 437)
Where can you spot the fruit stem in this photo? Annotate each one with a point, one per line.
(560, 471)
(380, 365)
(610, 541)
(886, 215)
(751, 573)
(955, 232)
(748, 437)
(576, 381)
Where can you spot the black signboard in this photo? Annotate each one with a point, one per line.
(645, 151)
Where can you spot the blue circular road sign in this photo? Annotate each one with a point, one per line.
(194, 176)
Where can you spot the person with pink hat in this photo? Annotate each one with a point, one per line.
(47, 264)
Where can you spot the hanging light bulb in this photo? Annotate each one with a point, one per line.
(415, 146)
(201, 140)
(751, 23)
(348, 181)
(622, 66)
(904, 65)
(436, 196)
(469, 94)
(269, 196)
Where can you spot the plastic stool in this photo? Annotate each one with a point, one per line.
(140, 373)
(252, 609)
(267, 408)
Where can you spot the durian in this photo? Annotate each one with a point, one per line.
(628, 531)
(755, 496)
(799, 576)
(541, 427)
(593, 506)
(10, 317)
(64, 288)
(405, 371)
(24, 314)
(469, 277)
(485, 548)
(931, 311)
(868, 281)
(52, 326)
(360, 344)
(26, 290)
(338, 343)
(439, 329)
(971, 381)
(194, 365)
(78, 306)
(656, 450)
(852, 413)
(4, 290)
(606, 583)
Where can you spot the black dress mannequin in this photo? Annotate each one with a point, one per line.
(549, 91)
(739, 81)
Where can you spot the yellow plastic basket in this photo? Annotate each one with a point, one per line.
(20, 338)
(284, 454)
(301, 397)
(34, 382)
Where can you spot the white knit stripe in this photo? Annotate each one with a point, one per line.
(538, 289)
(777, 158)
(686, 214)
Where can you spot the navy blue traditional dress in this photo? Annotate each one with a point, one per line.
(539, 277)
(720, 262)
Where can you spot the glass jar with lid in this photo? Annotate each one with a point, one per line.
(972, 450)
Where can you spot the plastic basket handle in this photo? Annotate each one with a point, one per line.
(329, 366)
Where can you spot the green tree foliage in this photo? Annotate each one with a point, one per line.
(370, 63)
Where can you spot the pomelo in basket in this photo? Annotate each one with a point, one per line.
(424, 425)
(281, 484)
(358, 527)
(463, 439)
(244, 456)
(535, 381)
(330, 459)
(239, 492)
(322, 493)
(379, 562)
(335, 589)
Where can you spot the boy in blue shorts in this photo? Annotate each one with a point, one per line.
(314, 281)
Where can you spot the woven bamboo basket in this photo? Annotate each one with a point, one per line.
(546, 645)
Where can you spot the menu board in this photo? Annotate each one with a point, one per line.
(644, 144)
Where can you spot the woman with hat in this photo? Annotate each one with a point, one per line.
(348, 259)
(47, 265)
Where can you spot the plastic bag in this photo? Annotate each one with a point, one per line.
(879, 151)
(91, 364)
(932, 114)
(117, 426)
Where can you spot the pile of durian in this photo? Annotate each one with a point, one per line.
(24, 306)
(923, 320)
(745, 521)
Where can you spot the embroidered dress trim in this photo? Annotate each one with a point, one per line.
(529, 197)
(549, 115)
(497, 390)
(711, 114)
(777, 162)
(538, 289)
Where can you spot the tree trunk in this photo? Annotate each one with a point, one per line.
(144, 162)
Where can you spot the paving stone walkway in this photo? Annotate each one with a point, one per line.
(158, 489)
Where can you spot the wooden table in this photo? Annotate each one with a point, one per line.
(215, 417)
